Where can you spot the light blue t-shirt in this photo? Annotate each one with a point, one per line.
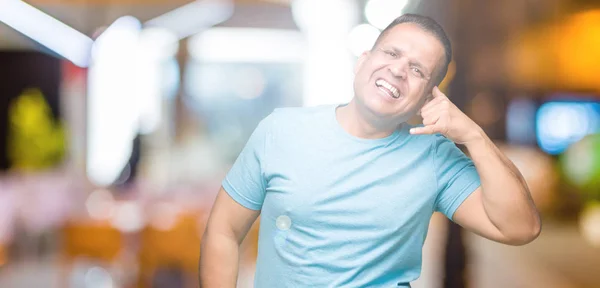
(341, 211)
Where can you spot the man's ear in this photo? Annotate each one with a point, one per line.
(428, 99)
(361, 61)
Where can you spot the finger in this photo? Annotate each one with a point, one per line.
(430, 108)
(425, 104)
(431, 129)
(437, 107)
(430, 120)
(443, 104)
(431, 101)
(434, 100)
(437, 93)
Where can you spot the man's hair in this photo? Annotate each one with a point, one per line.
(431, 26)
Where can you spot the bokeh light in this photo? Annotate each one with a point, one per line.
(164, 215)
(581, 164)
(540, 173)
(128, 217)
(589, 223)
(380, 13)
(362, 38)
(317, 15)
(520, 121)
(100, 205)
(560, 124)
(98, 277)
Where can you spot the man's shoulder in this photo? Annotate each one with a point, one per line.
(297, 120)
(299, 111)
(299, 114)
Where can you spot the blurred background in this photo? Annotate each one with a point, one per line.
(120, 118)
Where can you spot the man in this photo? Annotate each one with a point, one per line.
(346, 192)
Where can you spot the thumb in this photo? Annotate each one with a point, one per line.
(430, 129)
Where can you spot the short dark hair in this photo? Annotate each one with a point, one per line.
(428, 25)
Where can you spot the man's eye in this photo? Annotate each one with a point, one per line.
(416, 70)
(391, 53)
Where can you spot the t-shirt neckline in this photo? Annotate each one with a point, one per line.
(339, 130)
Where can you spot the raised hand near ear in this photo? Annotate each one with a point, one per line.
(441, 116)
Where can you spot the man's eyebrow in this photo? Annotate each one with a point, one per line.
(418, 64)
(412, 62)
(397, 50)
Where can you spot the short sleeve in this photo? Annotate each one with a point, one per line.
(456, 176)
(245, 181)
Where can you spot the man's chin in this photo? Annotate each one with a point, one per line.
(389, 114)
(384, 110)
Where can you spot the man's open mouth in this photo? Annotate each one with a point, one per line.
(388, 88)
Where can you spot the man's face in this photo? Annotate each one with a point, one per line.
(394, 80)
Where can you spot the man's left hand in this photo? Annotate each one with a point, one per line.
(440, 115)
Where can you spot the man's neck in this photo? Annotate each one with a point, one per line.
(362, 125)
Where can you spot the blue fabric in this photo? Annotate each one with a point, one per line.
(359, 209)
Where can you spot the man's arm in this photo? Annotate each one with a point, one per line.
(227, 226)
(502, 208)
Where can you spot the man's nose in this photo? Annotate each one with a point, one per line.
(398, 69)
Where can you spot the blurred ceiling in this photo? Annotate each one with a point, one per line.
(87, 16)
(490, 35)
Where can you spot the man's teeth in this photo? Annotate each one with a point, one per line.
(388, 86)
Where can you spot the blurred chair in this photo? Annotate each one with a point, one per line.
(96, 241)
(170, 255)
(249, 247)
(3, 256)
(248, 253)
